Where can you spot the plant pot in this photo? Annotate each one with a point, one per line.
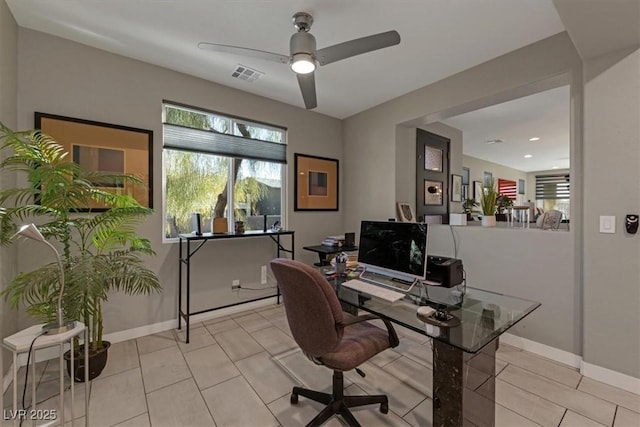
(97, 362)
(501, 217)
(488, 220)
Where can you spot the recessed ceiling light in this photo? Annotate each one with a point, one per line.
(494, 141)
(528, 156)
(555, 167)
(535, 138)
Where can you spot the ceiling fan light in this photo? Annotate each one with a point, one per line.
(303, 63)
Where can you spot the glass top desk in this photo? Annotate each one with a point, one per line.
(463, 355)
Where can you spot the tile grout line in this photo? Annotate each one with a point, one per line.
(555, 403)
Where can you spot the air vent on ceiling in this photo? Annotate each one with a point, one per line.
(494, 141)
(243, 72)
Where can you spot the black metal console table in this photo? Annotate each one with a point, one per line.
(185, 258)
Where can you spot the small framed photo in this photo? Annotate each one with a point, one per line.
(432, 192)
(404, 212)
(456, 188)
(521, 186)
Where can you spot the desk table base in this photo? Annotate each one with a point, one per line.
(463, 385)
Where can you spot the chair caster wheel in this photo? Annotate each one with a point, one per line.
(294, 399)
(384, 408)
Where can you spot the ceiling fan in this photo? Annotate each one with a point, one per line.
(304, 57)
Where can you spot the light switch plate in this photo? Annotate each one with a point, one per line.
(607, 224)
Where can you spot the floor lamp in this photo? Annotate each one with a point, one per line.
(60, 325)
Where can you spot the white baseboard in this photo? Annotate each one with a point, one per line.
(608, 376)
(141, 331)
(544, 350)
(594, 372)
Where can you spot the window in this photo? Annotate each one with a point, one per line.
(552, 193)
(220, 166)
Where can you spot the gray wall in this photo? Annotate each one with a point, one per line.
(62, 77)
(530, 263)
(612, 174)
(369, 140)
(8, 106)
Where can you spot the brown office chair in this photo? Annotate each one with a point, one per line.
(329, 338)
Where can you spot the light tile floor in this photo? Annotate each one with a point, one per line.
(239, 370)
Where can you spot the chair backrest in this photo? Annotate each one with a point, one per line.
(312, 307)
(551, 220)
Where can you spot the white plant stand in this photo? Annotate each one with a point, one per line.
(19, 343)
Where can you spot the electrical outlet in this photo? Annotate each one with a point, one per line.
(263, 275)
(235, 285)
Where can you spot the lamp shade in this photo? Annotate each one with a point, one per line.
(32, 232)
(303, 63)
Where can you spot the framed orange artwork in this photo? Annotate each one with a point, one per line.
(108, 148)
(316, 183)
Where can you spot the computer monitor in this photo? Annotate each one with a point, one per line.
(395, 249)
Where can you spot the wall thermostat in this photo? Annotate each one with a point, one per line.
(631, 223)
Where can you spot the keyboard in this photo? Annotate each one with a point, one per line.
(373, 290)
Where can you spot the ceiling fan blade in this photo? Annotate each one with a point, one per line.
(307, 84)
(355, 47)
(243, 51)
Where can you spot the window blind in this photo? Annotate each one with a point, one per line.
(204, 141)
(553, 187)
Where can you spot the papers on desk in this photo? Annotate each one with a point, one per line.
(337, 241)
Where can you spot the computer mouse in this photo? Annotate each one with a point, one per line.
(425, 311)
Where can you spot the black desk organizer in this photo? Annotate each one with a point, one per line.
(450, 322)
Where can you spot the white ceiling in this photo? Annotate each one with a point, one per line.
(544, 115)
(439, 38)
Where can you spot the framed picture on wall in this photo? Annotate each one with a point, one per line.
(465, 176)
(432, 192)
(456, 188)
(105, 148)
(488, 177)
(521, 186)
(316, 183)
(478, 190)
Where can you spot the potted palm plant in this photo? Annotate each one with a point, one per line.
(502, 202)
(488, 204)
(101, 251)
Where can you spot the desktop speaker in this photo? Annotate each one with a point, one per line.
(196, 224)
(349, 239)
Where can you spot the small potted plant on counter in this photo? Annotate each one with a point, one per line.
(469, 206)
(488, 203)
(502, 202)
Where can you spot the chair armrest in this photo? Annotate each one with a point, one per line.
(393, 336)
